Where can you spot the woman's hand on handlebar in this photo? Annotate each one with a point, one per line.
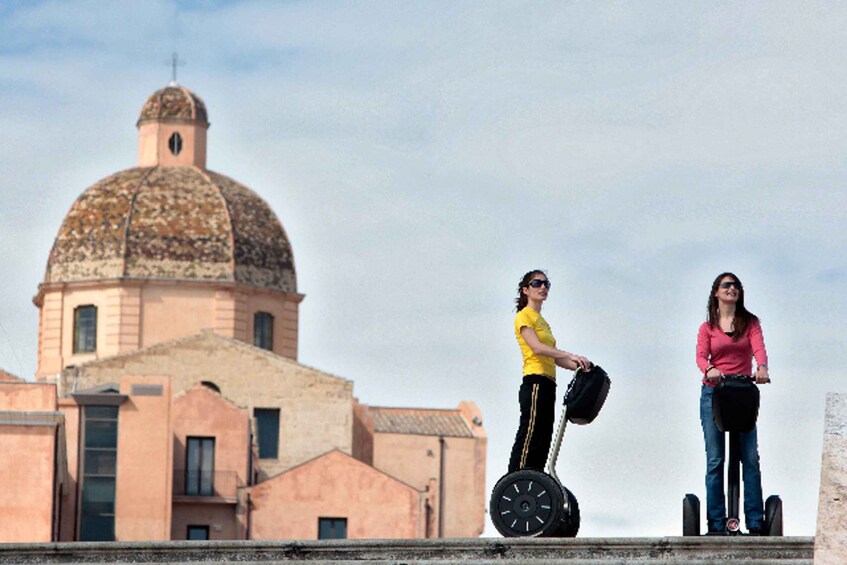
(762, 376)
(714, 375)
(580, 362)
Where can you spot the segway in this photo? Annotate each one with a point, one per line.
(735, 408)
(529, 503)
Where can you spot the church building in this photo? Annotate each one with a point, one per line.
(168, 401)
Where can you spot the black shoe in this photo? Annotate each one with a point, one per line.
(760, 531)
(716, 533)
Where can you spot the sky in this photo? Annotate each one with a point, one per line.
(422, 156)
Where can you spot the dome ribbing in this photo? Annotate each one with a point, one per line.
(173, 223)
(176, 103)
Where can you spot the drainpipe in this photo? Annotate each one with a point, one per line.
(249, 532)
(442, 450)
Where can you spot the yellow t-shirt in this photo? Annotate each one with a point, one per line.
(535, 364)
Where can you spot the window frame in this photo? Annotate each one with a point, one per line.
(78, 311)
(204, 487)
(198, 527)
(267, 327)
(87, 514)
(333, 524)
(264, 454)
(175, 143)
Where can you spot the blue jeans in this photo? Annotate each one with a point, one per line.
(754, 508)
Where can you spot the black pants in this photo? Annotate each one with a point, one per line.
(537, 397)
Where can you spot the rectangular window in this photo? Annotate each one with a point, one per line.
(85, 329)
(198, 533)
(99, 458)
(267, 430)
(332, 528)
(200, 466)
(263, 330)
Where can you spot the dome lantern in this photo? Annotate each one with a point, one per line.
(172, 129)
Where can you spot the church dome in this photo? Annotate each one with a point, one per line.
(176, 103)
(172, 223)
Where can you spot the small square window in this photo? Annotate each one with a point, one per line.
(332, 528)
(198, 533)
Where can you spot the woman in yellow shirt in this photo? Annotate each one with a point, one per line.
(537, 394)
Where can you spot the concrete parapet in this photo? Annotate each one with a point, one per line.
(584, 551)
(831, 533)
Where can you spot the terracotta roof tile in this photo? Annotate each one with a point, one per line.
(172, 223)
(174, 102)
(420, 422)
(4, 376)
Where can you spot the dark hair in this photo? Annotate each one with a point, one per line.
(522, 299)
(743, 317)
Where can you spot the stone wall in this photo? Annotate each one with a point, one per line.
(316, 408)
(831, 534)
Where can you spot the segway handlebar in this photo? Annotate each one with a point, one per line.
(742, 377)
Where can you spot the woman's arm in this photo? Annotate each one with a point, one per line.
(704, 354)
(757, 342)
(561, 358)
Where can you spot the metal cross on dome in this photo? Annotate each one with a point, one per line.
(174, 63)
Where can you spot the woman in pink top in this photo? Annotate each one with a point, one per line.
(727, 343)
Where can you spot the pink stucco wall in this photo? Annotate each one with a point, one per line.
(28, 462)
(202, 412)
(145, 462)
(417, 460)
(26, 499)
(153, 139)
(68, 521)
(336, 486)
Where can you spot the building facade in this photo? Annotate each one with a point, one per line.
(169, 403)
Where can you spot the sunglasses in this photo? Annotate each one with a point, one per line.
(538, 283)
(729, 284)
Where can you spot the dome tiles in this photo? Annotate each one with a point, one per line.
(172, 223)
(174, 102)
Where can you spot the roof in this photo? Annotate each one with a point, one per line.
(418, 421)
(172, 223)
(4, 376)
(330, 458)
(174, 102)
(216, 342)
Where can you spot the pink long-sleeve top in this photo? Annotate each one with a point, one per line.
(716, 348)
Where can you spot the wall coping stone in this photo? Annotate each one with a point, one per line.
(585, 551)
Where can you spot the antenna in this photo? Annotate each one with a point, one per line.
(174, 63)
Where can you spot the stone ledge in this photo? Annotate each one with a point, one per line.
(584, 551)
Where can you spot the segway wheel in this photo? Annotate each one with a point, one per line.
(569, 522)
(773, 516)
(690, 515)
(526, 503)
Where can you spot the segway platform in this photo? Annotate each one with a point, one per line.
(735, 409)
(530, 503)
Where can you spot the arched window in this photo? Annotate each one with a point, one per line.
(175, 143)
(85, 329)
(263, 330)
(211, 385)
